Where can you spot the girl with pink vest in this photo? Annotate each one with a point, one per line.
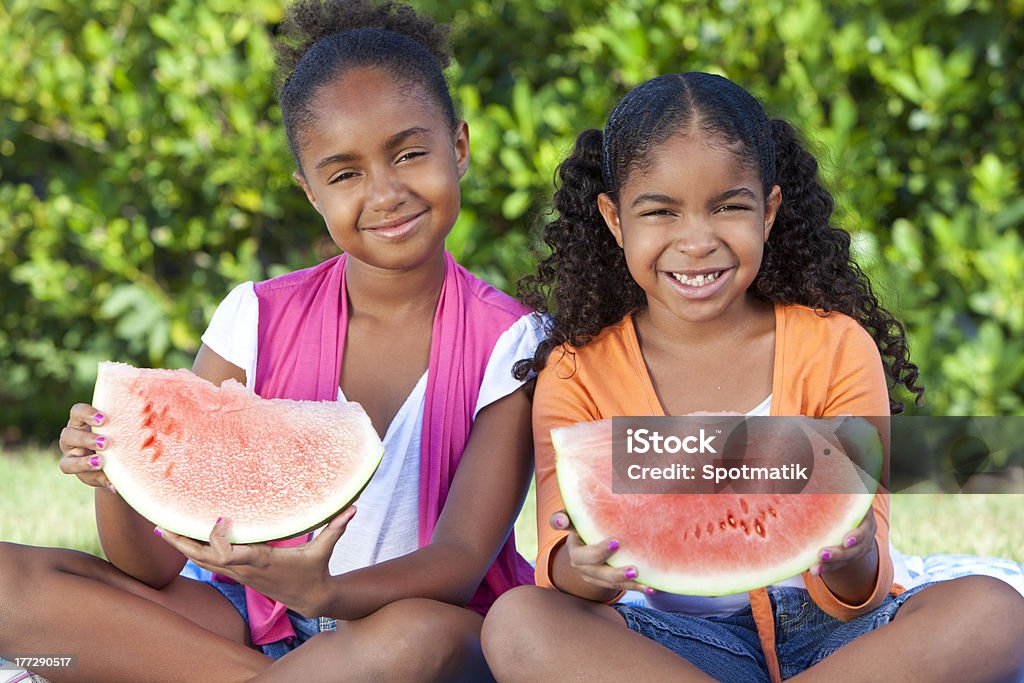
(397, 591)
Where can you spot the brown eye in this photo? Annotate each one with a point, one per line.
(342, 176)
(410, 155)
(729, 208)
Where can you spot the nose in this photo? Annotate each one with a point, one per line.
(697, 239)
(385, 191)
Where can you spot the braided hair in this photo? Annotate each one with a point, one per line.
(585, 284)
(320, 41)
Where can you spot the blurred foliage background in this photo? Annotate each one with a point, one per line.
(143, 170)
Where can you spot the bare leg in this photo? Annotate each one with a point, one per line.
(409, 640)
(63, 602)
(539, 634)
(969, 629)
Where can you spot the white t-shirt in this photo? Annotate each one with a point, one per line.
(387, 524)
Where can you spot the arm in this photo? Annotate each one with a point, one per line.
(485, 497)
(483, 502)
(859, 578)
(560, 400)
(126, 537)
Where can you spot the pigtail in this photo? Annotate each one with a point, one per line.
(807, 260)
(584, 282)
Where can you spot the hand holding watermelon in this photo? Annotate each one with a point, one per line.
(79, 446)
(590, 560)
(294, 575)
(855, 545)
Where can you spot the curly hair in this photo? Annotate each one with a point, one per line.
(320, 41)
(585, 284)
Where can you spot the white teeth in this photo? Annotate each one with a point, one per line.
(697, 280)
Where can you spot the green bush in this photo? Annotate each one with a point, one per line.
(143, 171)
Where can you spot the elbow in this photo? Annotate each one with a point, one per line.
(472, 568)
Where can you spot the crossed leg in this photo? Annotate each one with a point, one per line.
(57, 601)
(408, 640)
(969, 629)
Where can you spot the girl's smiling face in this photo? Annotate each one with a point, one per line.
(382, 166)
(692, 223)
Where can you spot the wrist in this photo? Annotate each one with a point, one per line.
(854, 584)
(320, 599)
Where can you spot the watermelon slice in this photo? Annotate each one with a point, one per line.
(183, 452)
(727, 542)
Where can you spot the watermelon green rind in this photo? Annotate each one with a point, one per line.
(594, 440)
(340, 482)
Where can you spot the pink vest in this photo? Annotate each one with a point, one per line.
(303, 319)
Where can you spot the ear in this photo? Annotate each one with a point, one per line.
(462, 147)
(610, 213)
(305, 188)
(771, 209)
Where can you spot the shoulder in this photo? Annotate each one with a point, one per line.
(815, 328)
(489, 298)
(828, 364)
(601, 377)
(612, 345)
(236, 310)
(297, 278)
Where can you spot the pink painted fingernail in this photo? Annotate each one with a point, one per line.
(94, 461)
(559, 522)
(158, 532)
(613, 545)
(630, 573)
(826, 556)
(98, 418)
(650, 591)
(101, 442)
(218, 521)
(850, 542)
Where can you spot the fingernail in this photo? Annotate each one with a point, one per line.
(110, 487)
(559, 522)
(630, 574)
(826, 556)
(815, 569)
(649, 590)
(613, 545)
(158, 532)
(98, 418)
(850, 542)
(101, 442)
(218, 521)
(94, 461)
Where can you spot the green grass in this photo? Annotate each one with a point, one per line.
(41, 506)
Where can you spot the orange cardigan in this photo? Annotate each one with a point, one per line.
(824, 366)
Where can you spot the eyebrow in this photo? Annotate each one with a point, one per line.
(735, 192)
(398, 138)
(668, 199)
(390, 143)
(654, 197)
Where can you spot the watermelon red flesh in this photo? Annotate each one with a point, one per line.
(703, 544)
(183, 452)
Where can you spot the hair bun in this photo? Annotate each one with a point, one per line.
(309, 21)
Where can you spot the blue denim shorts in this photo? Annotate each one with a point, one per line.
(304, 628)
(728, 648)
